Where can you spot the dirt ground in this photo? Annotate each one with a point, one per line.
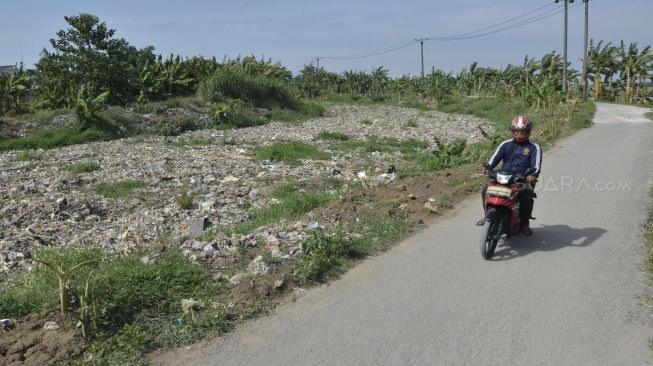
(30, 344)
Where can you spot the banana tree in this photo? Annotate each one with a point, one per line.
(601, 61)
(12, 89)
(633, 63)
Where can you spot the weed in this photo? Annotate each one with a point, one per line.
(325, 255)
(118, 189)
(290, 152)
(192, 142)
(185, 199)
(78, 168)
(335, 136)
(366, 122)
(411, 123)
(300, 113)
(27, 156)
(50, 139)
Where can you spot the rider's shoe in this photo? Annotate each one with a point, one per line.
(527, 231)
(480, 222)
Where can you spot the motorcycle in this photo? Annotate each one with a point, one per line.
(501, 209)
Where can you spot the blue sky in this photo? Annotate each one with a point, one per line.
(294, 31)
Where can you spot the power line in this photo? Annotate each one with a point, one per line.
(467, 35)
(498, 24)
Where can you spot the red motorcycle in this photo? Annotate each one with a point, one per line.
(501, 209)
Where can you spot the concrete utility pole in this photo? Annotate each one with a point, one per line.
(564, 62)
(585, 53)
(421, 45)
(318, 63)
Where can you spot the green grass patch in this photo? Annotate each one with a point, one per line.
(118, 189)
(84, 167)
(50, 139)
(649, 115)
(136, 301)
(385, 144)
(500, 111)
(192, 142)
(332, 136)
(417, 105)
(411, 124)
(299, 113)
(159, 107)
(27, 156)
(292, 204)
(290, 152)
(327, 255)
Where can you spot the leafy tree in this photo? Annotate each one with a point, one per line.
(88, 53)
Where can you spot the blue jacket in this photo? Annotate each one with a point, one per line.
(517, 157)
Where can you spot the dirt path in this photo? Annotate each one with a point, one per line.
(570, 295)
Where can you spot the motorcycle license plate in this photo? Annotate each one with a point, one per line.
(499, 191)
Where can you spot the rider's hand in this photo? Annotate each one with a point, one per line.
(531, 178)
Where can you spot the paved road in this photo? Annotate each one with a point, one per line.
(570, 295)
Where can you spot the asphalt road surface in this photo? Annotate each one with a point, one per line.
(573, 294)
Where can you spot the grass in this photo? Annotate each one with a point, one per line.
(332, 136)
(327, 255)
(290, 152)
(84, 167)
(27, 156)
(497, 110)
(50, 139)
(160, 107)
(384, 144)
(118, 189)
(185, 199)
(136, 301)
(411, 124)
(291, 205)
(649, 115)
(300, 113)
(192, 142)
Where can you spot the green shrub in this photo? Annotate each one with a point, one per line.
(50, 139)
(226, 84)
(300, 112)
(118, 189)
(86, 167)
(27, 156)
(185, 199)
(290, 152)
(327, 135)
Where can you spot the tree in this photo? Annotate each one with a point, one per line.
(634, 64)
(88, 53)
(601, 61)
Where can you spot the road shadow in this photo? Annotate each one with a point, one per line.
(548, 238)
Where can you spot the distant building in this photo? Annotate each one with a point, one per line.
(6, 70)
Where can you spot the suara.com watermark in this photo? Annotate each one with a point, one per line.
(572, 184)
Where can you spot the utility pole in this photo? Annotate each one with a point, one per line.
(421, 46)
(564, 62)
(585, 53)
(318, 62)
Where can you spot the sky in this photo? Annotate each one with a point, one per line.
(295, 31)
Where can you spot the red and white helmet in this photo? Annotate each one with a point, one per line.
(521, 128)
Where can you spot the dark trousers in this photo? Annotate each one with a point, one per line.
(526, 202)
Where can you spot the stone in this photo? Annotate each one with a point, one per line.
(279, 284)
(237, 278)
(51, 325)
(432, 207)
(198, 226)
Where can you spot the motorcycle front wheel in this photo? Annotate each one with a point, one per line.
(490, 237)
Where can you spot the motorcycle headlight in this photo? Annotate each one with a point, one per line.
(503, 178)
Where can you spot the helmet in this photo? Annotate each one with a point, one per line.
(521, 128)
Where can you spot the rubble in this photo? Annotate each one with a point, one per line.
(46, 205)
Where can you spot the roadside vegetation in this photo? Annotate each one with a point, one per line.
(131, 303)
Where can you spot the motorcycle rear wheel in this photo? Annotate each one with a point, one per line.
(490, 237)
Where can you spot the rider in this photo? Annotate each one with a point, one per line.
(519, 154)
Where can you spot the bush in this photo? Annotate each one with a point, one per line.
(81, 167)
(290, 152)
(50, 139)
(225, 85)
(118, 189)
(327, 135)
